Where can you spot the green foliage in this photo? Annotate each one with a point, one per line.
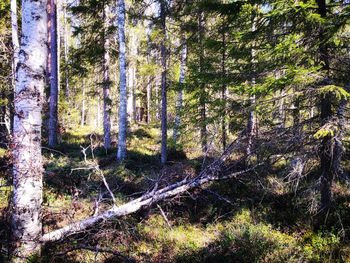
(320, 247)
(324, 132)
(337, 91)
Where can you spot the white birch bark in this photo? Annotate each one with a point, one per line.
(82, 121)
(121, 154)
(106, 81)
(15, 40)
(179, 99)
(27, 160)
(251, 123)
(53, 118)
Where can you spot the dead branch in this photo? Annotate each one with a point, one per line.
(213, 172)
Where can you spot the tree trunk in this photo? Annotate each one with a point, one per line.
(65, 38)
(202, 92)
(281, 110)
(131, 104)
(251, 126)
(164, 84)
(326, 150)
(27, 159)
(106, 80)
(224, 90)
(179, 99)
(121, 155)
(15, 41)
(8, 109)
(131, 108)
(53, 75)
(251, 123)
(149, 98)
(82, 121)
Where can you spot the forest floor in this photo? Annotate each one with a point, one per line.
(259, 218)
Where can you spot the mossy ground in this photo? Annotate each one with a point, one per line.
(259, 218)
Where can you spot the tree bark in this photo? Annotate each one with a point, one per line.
(83, 117)
(179, 99)
(131, 107)
(326, 153)
(121, 154)
(251, 123)
(106, 80)
(202, 92)
(164, 83)
(224, 90)
(149, 98)
(27, 160)
(65, 38)
(53, 121)
(15, 40)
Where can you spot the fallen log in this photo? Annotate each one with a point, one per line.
(213, 172)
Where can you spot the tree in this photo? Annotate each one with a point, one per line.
(53, 74)
(179, 99)
(26, 152)
(121, 154)
(163, 51)
(106, 78)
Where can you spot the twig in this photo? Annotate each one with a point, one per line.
(106, 184)
(164, 216)
(52, 150)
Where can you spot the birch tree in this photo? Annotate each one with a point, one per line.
(53, 74)
(179, 99)
(121, 154)
(15, 40)
(106, 79)
(27, 160)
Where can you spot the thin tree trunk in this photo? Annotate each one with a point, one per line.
(179, 99)
(53, 75)
(281, 110)
(202, 93)
(149, 98)
(224, 90)
(132, 78)
(251, 124)
(82, 121)
(164, 84)
(27, 159)
(106, 81)
(121, 155)
(157, 84)
(65, 37)
(326, 150)
(131, 108)
(150, 79)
